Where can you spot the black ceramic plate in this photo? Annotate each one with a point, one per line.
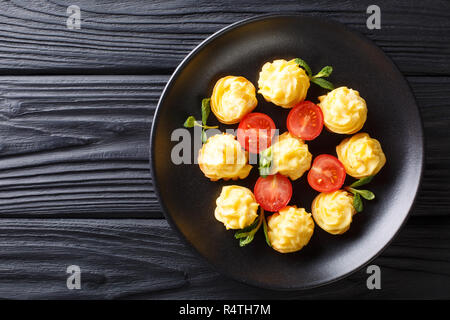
(188, 198)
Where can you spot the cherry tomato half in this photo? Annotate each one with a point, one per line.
(327, 174)
(255, 132)
(273, 192)
(305, 120)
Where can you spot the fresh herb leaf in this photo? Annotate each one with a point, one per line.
(357, 194)
(204, 136)
(190, 122)
(206, 109)
(361, 182)
(323, 83)
(247, 234)
(325, 72)
(357, 202)
(265, 162)
(264, 172)
(245, 241)
(304, 65)
(266, 235)
(243, 232)
(366, 194)
(240, 235)
(318, 78)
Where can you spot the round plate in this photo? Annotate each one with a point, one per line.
(188, 197)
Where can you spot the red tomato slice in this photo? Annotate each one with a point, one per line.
(327, 174)
(273, 192)
(305, 120)
(255, 132)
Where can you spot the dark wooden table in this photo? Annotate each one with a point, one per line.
(76, 107)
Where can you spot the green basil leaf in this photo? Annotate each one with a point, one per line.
(325, 72)
(323, 83)
(204, 136)
(264, 172)
(239, 235)
(247, 229)
(357, 202)
(366, 194)
(266, 235)
(245, 241)
(265, 162)
(190, 122)
(304, 65)
(361, 182)
(247, 234)
(267, 153)
(206, 109)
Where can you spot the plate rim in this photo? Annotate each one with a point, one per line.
(169, 84)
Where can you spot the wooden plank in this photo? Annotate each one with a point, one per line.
(76, 146)
(144, 259)
(138, 36)
(432, 94)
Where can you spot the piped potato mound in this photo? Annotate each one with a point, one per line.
(291, 157)
(361, 155)
(344, 111)
(233, 98)
(222, 157)
(290, 229)
(236, 207)
(283, 83)
(333, 211)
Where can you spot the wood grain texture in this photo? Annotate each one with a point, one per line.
(144, 259)
(77, 146)
(140, 36)
(432, 95)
